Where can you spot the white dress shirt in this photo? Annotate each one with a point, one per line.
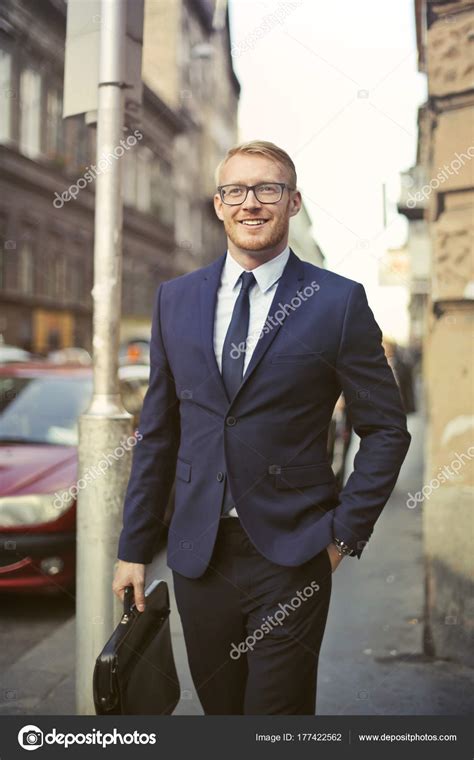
(260, 299)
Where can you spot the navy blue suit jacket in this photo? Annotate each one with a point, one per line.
(270, 440)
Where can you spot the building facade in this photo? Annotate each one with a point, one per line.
(445, 33)
(46, 245)
(413, 205)
(187, 61)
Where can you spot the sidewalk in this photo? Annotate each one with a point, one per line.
(371, 661)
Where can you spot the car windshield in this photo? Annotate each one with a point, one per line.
(42, 409)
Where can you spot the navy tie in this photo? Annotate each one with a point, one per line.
(233, 354)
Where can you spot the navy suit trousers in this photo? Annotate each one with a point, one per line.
(253, 629)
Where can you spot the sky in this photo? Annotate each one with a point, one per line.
(336, 85)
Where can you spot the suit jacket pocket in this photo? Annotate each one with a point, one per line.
(183, 470)
(295, 358)
(302, 475)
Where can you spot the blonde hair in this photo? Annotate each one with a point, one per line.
(262, 148)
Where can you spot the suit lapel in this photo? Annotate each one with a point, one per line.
(209, 287)
(293, 275)
(288, 284)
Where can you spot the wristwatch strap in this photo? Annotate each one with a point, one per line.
(344, 549)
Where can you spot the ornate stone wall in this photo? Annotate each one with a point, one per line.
(446, 150)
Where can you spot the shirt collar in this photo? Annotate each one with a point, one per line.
(266, 274)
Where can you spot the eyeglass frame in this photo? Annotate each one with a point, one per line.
(281, 185)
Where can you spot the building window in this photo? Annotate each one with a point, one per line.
(135, 285)
(16, 265)
(60, 275)
(129, 177)
(54, 124)
(80, 288)
(83, 147)
(162, 195)
(196, 221)
(78, 148)
(76, 274)
(51, 273)
(45, 275)
(148, 184)
(6, 93)
(183, 232)
(30, 112)
(10, 265)
(73, 284)
(25, 267)
(144, 163)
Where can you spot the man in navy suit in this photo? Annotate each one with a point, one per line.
(248, 358)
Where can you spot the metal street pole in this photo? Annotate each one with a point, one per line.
(104, 463)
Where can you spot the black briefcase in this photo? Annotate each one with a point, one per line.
(135, 674)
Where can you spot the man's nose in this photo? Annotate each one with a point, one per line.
(251, 200)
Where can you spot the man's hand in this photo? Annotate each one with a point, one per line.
(334, 555)
(130, 574)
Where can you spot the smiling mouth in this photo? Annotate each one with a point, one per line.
(253, 222)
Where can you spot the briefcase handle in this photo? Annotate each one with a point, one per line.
(127, 600)
(128, 597)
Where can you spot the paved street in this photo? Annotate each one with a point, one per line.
(371, 661)
(28, 619)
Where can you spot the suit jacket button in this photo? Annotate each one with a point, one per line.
(230, 421)
(220, 476)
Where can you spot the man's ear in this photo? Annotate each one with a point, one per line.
(218, 207)
(296, 203)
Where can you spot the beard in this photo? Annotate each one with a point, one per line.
(268, 236)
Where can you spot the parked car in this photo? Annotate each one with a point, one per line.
(40, 405)
(9, 354)
(70, 355)
(135, 351)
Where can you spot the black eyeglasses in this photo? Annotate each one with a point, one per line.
(265, 192)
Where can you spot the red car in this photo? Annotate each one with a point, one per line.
(40, 404)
